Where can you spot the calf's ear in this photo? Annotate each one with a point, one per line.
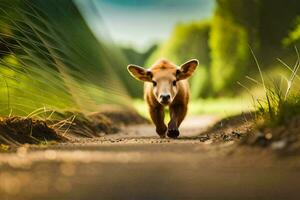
(187, 69)
(139, 73)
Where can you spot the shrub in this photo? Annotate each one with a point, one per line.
(234, 27)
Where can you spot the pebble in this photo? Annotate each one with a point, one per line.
(279, 144)
(236, 134)
(204, 138)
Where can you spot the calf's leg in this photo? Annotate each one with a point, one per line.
(177, 114)
(157, 115)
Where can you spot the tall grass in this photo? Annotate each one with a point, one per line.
(52, 61)
(282, 98)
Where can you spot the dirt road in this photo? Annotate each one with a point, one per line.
(136, 164)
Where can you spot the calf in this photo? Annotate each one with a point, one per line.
(166, 85)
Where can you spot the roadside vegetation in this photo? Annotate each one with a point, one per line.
(278, 112)
(54, 73)
(46, 66)
(281, 101)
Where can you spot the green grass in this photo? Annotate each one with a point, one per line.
(281, 98)
(54, 62)
(220, 107)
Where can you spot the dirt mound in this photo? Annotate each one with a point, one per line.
(66, 126)
(231, 128)
(17, 130)
(80, 125)
(285, 138)
(249, 130)
(108, 121)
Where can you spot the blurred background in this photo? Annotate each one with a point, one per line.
(72, 54)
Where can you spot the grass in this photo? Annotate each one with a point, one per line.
(278, 110)
(54, 73)
(281, 100)
(220, 107)
(46, 67)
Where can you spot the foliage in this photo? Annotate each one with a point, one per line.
(232, 32)
(53, 61)
(293, 37)
(277, 20)
(256, 23)
(281, 101)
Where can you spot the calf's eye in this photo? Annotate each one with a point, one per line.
(174, 83)
(154, 83)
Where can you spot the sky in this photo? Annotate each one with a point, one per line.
(141, 23)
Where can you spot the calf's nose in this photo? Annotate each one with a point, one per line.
(165, 97)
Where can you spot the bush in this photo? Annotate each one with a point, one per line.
(233, 30)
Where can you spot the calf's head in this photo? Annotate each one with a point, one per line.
(164, 77)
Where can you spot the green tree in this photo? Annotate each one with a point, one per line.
(233, 30)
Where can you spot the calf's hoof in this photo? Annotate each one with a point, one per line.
(161, 132)
(173, 133)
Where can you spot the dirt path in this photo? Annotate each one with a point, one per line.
(136, 164)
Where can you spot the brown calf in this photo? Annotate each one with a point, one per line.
(166, 85)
